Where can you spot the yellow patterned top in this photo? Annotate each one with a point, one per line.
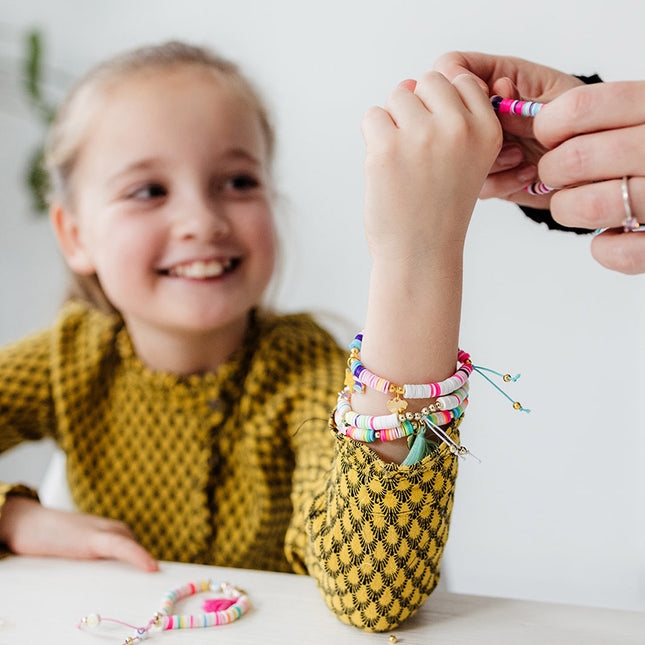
(234, 468)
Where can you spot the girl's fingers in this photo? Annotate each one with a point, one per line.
(437, 93)
(405, 108)
(599, 205)
(408, 84)
(624, 252)
(597, 156)
(375, 124)
(592, 108)
(114, 546)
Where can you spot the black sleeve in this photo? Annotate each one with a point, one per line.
(542, 216)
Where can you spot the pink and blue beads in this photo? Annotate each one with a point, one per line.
(510, 106)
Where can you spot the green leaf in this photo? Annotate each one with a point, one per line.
(37, 180)
(33, 66)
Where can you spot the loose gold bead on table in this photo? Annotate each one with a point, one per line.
(393, 639)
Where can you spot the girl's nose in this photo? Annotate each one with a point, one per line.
(202, 219)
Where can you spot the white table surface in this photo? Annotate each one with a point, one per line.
(42, 600)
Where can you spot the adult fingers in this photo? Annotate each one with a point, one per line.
(591, 108)
(452, 64)
(115, 546)
(510, 182)
(599, 205)
(510, 156)
(597, 156)
(623, 252)
(519, 126)
(538, 82)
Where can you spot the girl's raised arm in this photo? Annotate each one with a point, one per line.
(428, 154)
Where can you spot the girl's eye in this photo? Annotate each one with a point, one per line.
(242, 183)
(149, 191)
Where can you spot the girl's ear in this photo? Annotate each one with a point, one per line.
(68, 234)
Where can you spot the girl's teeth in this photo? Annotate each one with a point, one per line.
(201, 269)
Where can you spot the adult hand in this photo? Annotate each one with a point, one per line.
(585, 133)
(28, 528)
(516, 165)
(596, 134)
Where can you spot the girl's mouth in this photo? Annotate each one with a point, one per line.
(202, 269)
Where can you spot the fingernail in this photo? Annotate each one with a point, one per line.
(527, 173)
(510, 156)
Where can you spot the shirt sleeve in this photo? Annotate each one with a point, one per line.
(26, 407)
(26, 403)
(371, 534)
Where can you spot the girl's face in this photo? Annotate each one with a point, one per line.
(171, 202)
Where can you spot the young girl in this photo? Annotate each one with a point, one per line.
(195, 424)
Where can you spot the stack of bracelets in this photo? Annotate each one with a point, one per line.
(451, 400)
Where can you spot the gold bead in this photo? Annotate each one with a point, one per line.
(128, 641)
(393, 639)
(506, 377)
(517, 405)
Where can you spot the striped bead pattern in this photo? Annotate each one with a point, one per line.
(421, 391)
(510, 106)
(538, 188)
(210, 619)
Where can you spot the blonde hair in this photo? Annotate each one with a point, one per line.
(73, 118)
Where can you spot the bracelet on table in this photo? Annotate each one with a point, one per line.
(231, 605)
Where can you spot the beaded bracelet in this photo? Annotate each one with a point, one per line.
(345, 414)
(423, 391)
(405, 428)
(358, 377)
(412, 426)
(378, 426)
(510, 106)
(523, 108)
(232, 604)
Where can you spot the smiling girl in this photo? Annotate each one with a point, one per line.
(195, 423)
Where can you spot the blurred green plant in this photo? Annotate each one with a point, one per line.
(36, 176)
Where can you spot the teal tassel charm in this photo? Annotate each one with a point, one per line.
(419, 449)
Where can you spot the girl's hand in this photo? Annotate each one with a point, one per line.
(28, 528)
(427, 155)
(514, 78)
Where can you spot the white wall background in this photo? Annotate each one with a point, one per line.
(555, 512)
